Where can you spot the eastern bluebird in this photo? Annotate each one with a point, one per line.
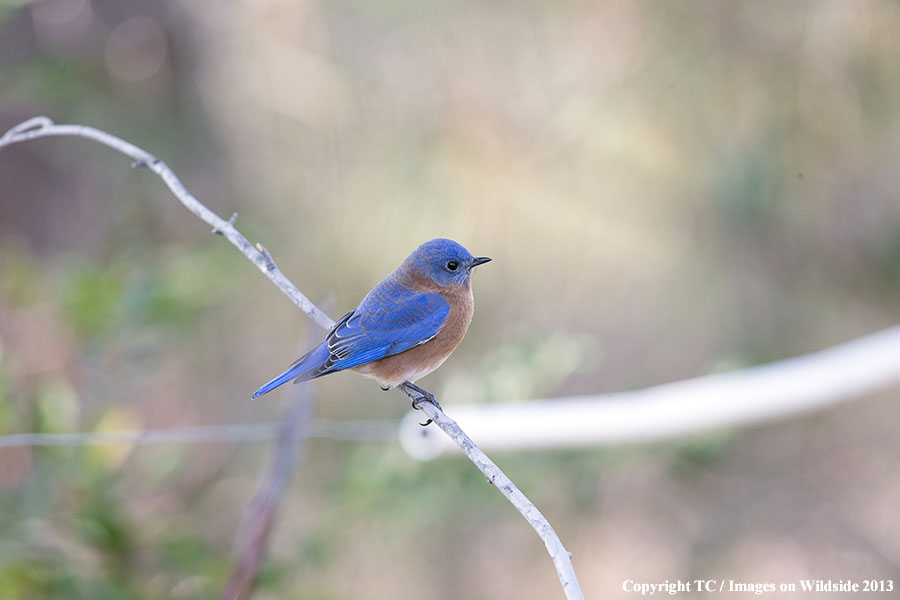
(404, 329)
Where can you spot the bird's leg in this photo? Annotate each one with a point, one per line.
(418, 396)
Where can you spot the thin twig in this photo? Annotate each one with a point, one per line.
(560, 556)
(43, 127)
(339, 430)
(257, 527)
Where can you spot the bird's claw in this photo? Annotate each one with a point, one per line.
(426, 398)
(420, 396)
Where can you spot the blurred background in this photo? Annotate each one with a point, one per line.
(667, 189)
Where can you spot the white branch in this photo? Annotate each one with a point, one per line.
(43, 127)
(764, 393)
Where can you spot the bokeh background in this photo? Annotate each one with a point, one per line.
(667, 190)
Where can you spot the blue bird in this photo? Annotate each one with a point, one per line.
(404, 328)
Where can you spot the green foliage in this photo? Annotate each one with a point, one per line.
(19, 276)
(56, 408)
(191, 556)
(95, 547)
(7, 413)
(748, 188)
(135, 292)
(889, 260)
(175, 290)
(700, 453)
(91, 298)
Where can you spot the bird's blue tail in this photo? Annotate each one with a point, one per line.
(304, 368)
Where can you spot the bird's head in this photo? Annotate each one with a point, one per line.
(443, 262)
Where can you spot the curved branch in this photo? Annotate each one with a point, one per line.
(764, 393)
(40, 127)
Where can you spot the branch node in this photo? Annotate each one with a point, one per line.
(148, 161)
(230, 222)
(35, 123)
(270, 264)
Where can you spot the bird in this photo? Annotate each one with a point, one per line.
(405, 327)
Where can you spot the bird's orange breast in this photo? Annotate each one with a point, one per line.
(421, 360)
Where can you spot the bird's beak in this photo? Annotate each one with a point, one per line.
(480, 260)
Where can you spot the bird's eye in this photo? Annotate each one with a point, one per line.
(452, 265)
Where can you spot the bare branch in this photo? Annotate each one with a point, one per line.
(264, 508)
(560, 556)
(764, 393)
(40, 127)
(43, 127)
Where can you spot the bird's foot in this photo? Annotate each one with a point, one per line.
(418, 396)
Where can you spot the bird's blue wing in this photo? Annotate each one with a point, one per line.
(391, 319)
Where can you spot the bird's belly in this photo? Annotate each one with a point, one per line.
(411, 365)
